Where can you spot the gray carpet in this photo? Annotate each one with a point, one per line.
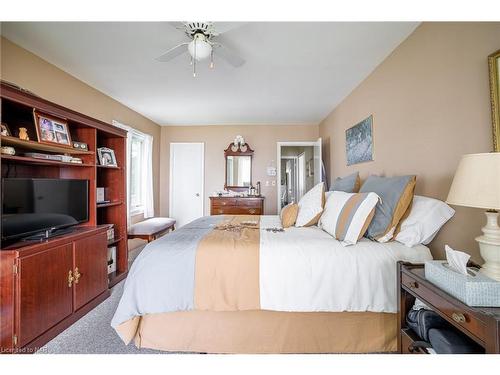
(93, 334)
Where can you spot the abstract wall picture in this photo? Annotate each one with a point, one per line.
(359, 142)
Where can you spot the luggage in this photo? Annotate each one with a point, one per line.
(438, 334)
(451, 341)
(422, 320)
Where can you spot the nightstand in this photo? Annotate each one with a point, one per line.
(481, 324)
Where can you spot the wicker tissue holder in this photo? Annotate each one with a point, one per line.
(473, 289)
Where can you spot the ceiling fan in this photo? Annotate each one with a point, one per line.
(205, 41)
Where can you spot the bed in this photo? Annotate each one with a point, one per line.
(241, 284)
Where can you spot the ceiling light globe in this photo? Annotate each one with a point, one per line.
(203, 49)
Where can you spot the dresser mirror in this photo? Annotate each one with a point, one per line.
(238, 163)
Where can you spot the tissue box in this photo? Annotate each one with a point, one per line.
(473, 289)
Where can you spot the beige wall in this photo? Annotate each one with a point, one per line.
(262, 139)
(27, 70)
(430, 105)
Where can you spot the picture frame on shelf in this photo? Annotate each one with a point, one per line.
(4, 130)
(106, 157)
(51, 130)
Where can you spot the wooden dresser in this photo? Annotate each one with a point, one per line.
(236, 205)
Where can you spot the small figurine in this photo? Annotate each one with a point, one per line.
(4, 130)
(23, 134)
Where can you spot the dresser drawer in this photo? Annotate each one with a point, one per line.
(248, 202)
(460, 316)
(234, 210)
(251, 211)
(224, 202)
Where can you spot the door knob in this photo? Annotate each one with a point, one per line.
(197, 194)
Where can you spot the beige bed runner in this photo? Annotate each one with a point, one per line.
(227, 266)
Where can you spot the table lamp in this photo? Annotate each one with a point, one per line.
(477, 184)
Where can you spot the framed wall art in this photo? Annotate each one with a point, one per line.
(359, 142)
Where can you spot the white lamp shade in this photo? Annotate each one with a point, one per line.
(477, 182)
(203, 49)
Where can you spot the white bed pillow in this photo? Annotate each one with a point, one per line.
(311, 206)
(426, 218)
(346, 216)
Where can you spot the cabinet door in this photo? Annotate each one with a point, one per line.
(45, 298)
(91, 259)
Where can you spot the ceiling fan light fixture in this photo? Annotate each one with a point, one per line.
(199, 48)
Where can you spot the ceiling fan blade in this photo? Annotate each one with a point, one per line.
(173, 52)
(227, 54)
(224, 27)
(181, 26)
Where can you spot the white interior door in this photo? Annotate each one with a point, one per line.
(186, 182)
(318, 167)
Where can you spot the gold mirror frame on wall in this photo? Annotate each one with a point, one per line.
(494, 67)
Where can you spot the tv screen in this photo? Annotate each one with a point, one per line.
(33, 205)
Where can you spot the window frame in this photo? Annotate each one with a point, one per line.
(138, 209)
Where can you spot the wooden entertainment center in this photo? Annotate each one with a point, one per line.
(46, 286)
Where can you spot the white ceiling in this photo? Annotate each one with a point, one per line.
(294, 72)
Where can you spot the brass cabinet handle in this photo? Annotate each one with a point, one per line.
(413, 285)
(252, 211)
(77, 275)
(70, 278)
(458, 317)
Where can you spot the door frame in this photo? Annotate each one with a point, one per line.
(278, 163)
(170, 179)
(295, 172)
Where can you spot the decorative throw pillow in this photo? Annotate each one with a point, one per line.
(348, 184)
(311, 206)
(347, 215)
(396, 194)
(288, 215)
(426, 218)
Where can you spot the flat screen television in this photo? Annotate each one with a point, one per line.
(36, 205)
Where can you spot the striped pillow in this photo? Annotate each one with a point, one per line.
(347, 215)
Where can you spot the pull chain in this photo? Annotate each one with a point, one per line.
(194, 59)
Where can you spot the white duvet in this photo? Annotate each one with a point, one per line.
(306, 269)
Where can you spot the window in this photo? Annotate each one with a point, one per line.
(136, 174)
(139, 172)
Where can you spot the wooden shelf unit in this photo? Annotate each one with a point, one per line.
(108, 204)
(36, 146)
(35, 161)
(17, 111)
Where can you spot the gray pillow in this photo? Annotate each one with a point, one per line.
(396, 195)
(347, 184)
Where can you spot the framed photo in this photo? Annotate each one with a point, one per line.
(359, 142)
(4, 129)
(52, 130)
(494, 68)
(106, 157)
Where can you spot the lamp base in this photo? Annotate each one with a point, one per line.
(489, 246)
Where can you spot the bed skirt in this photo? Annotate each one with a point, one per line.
(262, 331)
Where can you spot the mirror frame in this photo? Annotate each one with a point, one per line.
(240, 150)
(495, 98)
